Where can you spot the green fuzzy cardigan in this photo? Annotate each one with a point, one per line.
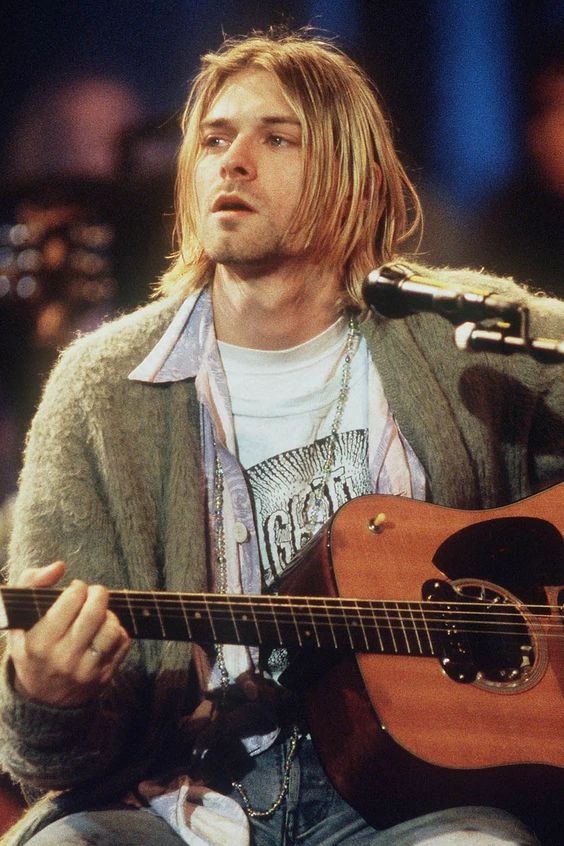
(112, 484)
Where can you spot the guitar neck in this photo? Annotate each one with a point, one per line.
(392, 627)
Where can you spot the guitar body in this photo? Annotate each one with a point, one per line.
(398, 736)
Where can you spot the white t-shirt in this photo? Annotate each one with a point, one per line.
(284, 404)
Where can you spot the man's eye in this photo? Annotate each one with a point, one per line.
(213, 141)
(277, 141)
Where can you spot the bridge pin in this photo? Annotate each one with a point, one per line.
(376, 524)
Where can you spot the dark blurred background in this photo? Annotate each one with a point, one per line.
(91, 94)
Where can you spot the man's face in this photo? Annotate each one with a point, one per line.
(249, 176)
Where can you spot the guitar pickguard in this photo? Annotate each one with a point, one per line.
(521, 554)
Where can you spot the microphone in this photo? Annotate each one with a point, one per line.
(395, 290)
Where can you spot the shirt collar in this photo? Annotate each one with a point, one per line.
(177, 353)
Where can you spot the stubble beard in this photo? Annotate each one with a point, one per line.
(240, 243)
(231, 247)
(245, 256)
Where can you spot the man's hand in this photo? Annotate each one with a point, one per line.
(72, 652)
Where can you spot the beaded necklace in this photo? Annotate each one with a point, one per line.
(313, 515)
(315, 510)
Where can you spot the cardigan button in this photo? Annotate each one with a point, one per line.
(241, 532)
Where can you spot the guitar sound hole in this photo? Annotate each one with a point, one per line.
(506, 642)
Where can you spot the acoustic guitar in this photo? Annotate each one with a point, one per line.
(430, 651)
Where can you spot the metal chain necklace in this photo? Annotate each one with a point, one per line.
(249, 810)
(314, 512)
(221, 565)
(313, 515)
(221, 560)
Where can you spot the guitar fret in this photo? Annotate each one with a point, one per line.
(413, 630)
(390, 627)
(238, 636)
(362, 627)
(253, 612)
(330, 623)
(158, 610)
(409, 629)
(308, 606)
(280, 641)
(403, 629)
(376, 626)
(427, 632)
(185, 616)
(210, 618)
(348, 628)
(295, 623)
(131, 614)
(414, 624)
(352, 624)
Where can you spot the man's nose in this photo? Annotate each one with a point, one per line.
(239, 161)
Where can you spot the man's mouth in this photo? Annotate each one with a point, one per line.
(230, 203)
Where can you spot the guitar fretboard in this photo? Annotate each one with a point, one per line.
(388, 627)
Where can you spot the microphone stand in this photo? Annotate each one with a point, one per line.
(483, 319)
(508, 337)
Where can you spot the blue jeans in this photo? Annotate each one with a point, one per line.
(313, 814)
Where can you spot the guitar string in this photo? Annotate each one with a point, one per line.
(294, 636)
(413, 618)
(295, 605)
(396, 623)
(160, 598)
(391, 619)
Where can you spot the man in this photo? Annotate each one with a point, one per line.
(200, 442)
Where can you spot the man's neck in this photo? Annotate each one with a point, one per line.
(274, 310)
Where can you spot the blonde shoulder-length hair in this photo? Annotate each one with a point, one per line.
(358, 204)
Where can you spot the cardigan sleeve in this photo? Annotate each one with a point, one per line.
(61, 514)
(546, 383)
(46, 748)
